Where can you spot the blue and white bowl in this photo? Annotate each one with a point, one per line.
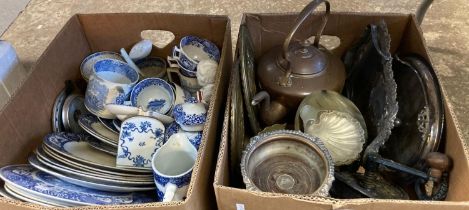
(139, 139)
(153, 94)
(194, 137)
(191, 115)
(110, 83)
(87, 66)
(152, 67)
(193, 49)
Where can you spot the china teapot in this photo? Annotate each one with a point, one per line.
(290, 72)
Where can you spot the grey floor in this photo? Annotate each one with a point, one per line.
(9, 10)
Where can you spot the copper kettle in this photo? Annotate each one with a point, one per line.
(290, 72)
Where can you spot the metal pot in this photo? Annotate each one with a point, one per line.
(290, 72)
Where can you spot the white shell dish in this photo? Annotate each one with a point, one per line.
(342, 135)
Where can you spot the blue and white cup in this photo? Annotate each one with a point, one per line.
(139, 139)
(153, 94)
(172, 168)
(188, 83)
(110, 83)
(192, 50)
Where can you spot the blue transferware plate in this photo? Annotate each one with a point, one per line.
(89, 182)
(39, 183)
(91, 124)
(101, 146)
(153, 94)
(74, 147)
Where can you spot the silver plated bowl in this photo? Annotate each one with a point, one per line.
(289, 162)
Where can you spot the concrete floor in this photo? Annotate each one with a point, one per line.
(9, 10)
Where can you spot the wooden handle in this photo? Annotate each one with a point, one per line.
(438, 163)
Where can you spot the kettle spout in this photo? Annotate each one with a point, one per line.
(271, 112)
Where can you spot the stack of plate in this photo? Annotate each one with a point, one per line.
(26, 183)
(84, 161)
(106, 131)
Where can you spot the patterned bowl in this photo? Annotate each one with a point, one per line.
(153, 94)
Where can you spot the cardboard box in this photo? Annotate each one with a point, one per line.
(27, 117)
(268, 30)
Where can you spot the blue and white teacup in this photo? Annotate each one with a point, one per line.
(172, 167)
(191, 115)
(193, 49)
(153, 94)
(195, 137)
(110, 83)
(87, 66)
(188, 83)
(139, 139)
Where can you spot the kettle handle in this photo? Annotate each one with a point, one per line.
(301, 18)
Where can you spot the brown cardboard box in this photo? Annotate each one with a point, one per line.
(27, 117)
(267, 30)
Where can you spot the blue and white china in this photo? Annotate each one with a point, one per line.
(74, 146)
(192, 50)
(195, 137)
(153, 94)
(42, 184)
(124, 112)
(152, 67)
(110, 83)
(172, 166)
(107, 123)
(174, 63)
(188, 83)
(139, 139)
(191, 115)
(180, 94)
(94, 127)
(206, 71)
(57, 122)
(87, 66)
(141, 49)
(82, 170)
(101, 146)
(88, 182)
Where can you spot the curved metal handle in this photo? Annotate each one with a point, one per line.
(423, 7)
(305, 13)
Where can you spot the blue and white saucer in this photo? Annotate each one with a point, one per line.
(91, 124)
(42, 184)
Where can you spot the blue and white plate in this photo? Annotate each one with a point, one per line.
(153, 94)
(101, 146)
(50, 161)
(89, 182)
(26, 197)
(91, 124)
(107, 123)
(42, 184)
(74, 147)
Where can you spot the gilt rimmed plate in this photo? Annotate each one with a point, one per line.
(74, 147)
(52, 162)
(42, 184)
(94, 127)
(89, 182)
